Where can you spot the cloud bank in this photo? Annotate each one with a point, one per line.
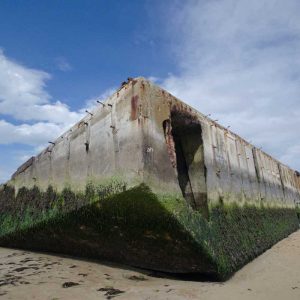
(33, 118)
(28, 116)
(23, 95)
(239, 61)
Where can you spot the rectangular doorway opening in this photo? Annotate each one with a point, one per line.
(183, 132)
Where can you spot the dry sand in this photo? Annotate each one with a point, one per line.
(28, 275)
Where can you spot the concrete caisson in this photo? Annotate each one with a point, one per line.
(145, 179)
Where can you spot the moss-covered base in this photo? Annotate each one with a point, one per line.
(140, 228)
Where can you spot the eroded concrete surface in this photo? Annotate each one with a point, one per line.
(28, 275)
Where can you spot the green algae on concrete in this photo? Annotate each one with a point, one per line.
(140, 228)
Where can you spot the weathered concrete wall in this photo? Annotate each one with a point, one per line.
(106, 143)
(236, 171)
(126, 136)
(147, 180)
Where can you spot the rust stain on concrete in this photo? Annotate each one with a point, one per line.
(134, 107)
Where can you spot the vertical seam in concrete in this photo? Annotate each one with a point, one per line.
(115, 137)
(67, 162)
(50, 180)
(87, 145)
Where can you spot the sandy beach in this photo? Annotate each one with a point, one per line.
(30, 275)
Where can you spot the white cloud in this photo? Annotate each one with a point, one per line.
(23, 95)
(62, 64)
(33, 135)
(239, 61)
(20, 85)
(34, 118)
(24, 98)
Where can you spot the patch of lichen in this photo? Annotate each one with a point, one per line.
(133, 226)
(141, 228)
(31, 206)
(242, 233)
(234, 235)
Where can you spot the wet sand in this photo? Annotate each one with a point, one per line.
(30, 275)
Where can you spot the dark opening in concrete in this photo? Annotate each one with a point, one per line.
(185, 147)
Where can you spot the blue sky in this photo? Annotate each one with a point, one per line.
(102, 43)
(237, 60)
